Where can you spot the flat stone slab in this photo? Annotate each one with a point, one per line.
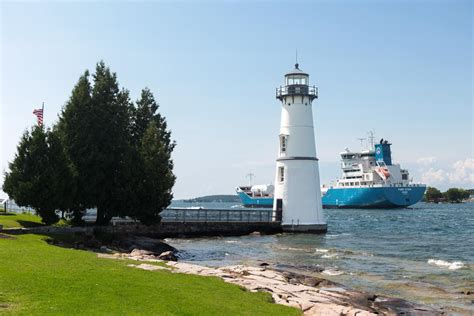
(149, 267)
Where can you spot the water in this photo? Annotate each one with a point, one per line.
(423, 254)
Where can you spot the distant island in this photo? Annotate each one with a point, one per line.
(214, 198)
(452, 195)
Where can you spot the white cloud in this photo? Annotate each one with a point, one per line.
(463, 172)
(460, 173)
(425, 161)
(433, 177)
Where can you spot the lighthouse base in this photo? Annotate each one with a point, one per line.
(309, 228)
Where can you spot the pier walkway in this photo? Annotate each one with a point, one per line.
(180, 222)
(184, 215)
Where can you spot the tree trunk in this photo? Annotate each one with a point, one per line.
(102, 217)
(76, 216)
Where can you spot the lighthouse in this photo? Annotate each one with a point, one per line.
(297, 198)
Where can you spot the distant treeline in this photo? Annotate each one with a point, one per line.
(452, 195)
(215, 198)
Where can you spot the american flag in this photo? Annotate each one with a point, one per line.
(39, 116)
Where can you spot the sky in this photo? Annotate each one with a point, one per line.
(402, 69)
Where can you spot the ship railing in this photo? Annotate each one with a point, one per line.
(184, 215)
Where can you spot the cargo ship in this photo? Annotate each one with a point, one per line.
(369, 180)
(256, 195)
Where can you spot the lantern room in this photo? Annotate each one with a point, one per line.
(297, 83)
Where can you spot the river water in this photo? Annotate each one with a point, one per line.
(424, 253)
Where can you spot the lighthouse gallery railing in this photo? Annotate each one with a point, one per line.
(297, 90)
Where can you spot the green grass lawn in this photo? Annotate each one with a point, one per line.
(10, 220)
(38, 278)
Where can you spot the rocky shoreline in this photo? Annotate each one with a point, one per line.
(313, 295)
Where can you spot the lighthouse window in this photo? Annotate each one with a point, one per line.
(281, 174)
(283, 143)
(295, 79)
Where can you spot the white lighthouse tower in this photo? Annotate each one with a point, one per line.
(297, 199)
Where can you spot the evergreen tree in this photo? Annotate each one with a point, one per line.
(155, 177)
(147, 111)
(62, 178)
(72, 128)
(39, 175)
(153, 168)
(121, 198)
(96, 123)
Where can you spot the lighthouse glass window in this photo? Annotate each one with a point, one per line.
(297, 79)
(281, 174)
(283, 143)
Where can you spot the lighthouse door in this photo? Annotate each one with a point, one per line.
(279, 210)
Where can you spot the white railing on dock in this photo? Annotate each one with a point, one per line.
(217, 215)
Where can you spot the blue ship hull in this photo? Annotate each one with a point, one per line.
(249, 201)
(373, 197)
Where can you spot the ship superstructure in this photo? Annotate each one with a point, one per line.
(371, 167)
(370, 179)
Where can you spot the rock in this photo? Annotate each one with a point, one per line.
(396, 306)
(309, 281)
(153, 245)
(308, 268)
(168, 256)
(79, 245)
(140, 253)
(104, 249)
(92, 243)
(149, 267)
(255, 234)
(293, 281)
(129, 248)
(106, 256)
(264, 264)
(466, 292)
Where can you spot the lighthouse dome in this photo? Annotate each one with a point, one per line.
(296, 77)
(296, 71)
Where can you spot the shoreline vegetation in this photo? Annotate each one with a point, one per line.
(153, 285)
(452, 195)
